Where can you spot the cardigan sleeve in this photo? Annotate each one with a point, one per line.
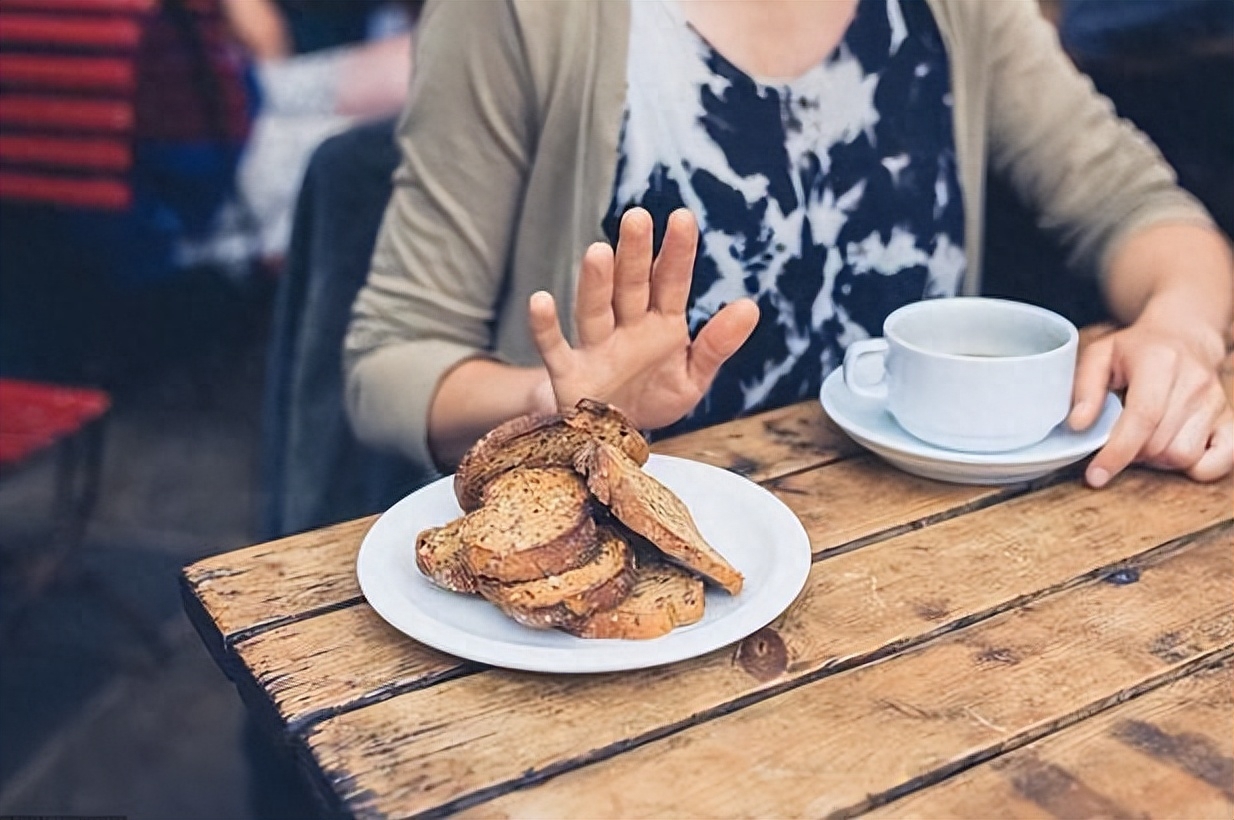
(1092, 178)
(437, 272)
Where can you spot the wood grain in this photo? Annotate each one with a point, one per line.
(839, 744)
(272, 582)
(846, 503)
(466, 737)
(766, 445)
(269, 583)
(1169, 753)
(345, 659)
(249, 589)
(317, 673)
(309, 671)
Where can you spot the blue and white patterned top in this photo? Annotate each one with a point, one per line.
(830, 199)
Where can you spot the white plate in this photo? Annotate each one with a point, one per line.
(748, 526)
(869, 423)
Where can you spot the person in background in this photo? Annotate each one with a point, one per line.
(278, 29)
(776, 178)
(307, 94)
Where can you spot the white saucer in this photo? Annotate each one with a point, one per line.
(870, 425)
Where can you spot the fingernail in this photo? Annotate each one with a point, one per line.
(1098, 477)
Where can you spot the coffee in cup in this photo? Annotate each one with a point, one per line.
(970, 373)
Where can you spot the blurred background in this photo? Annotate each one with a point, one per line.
(152, 154)
(189, 193)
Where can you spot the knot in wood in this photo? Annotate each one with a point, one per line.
(763, 655)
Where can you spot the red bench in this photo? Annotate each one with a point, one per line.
(37, 417)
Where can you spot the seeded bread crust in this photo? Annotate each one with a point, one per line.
(543, 441)
(654, 512)
(664, 597)
(536, 522)
(604, 422)
(440, 556)
(569, 599)
(506, 446)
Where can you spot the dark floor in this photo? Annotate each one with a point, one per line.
(93, 722)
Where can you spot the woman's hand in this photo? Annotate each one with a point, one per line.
(1177, 415)
(634, 348)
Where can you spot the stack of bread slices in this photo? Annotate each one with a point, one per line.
(563, 529)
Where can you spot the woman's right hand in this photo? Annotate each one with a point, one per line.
(634, 348)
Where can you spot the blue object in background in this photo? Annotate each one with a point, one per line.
(1106, 28)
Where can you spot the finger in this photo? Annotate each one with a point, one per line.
(546, 332)
(1092, 383)
(1181, 436)
(720, 338)
(674, 266)
(1147, 398)
(1218, 458)
(593, 301)
(632, 267)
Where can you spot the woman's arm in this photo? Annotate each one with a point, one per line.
(438, 266)
(475, 397)
(373, 77)
(260, 28)
(420, 375)
(633, 346)
(1165, 271)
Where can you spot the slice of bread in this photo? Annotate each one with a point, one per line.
(543, 441)
(508, 445)
(604, 422)
(573, 596)
(535, 522)
(440, 556)
(654, 512)
(664, 597)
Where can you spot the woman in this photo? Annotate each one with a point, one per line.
(833, 154)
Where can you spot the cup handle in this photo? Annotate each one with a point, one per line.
(855, 352)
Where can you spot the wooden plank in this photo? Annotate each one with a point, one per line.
(40, 31)
(251, 589)
(839, 744)
(1169, 753)
(67, 153)
(87, 6)
(479, 733)
(75, 114)
(109, 194)
(279, 580)
(846, 503)
(766, 445)
(44, 72)
(341, 660)
(303, 665)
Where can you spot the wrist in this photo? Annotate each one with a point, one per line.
(1177, 279)
(1206, 338)
(540, 397)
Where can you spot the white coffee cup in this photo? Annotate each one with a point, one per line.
(973, 374)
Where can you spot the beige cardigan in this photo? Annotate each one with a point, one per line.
(509, 149)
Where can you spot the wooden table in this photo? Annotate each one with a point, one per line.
(1039, 650)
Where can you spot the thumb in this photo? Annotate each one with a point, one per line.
(1092, 382)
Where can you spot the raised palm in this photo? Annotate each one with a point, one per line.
(634, 348)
